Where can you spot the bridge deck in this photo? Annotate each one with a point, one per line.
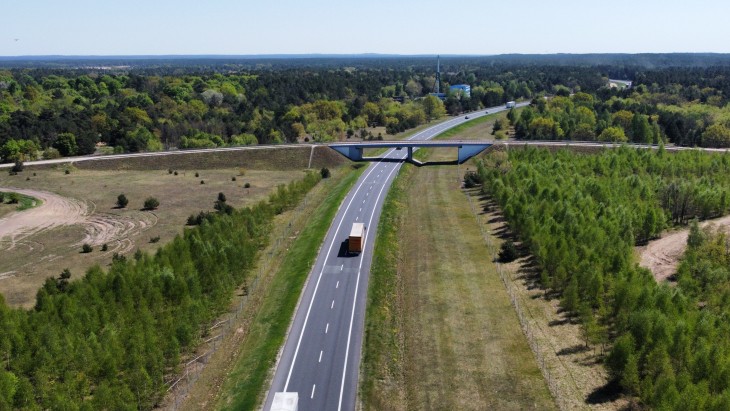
(466, 148)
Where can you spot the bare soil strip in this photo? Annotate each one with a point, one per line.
(662, 256)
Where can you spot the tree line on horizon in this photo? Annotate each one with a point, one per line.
(49, 113)
(686, 116)
(54, 112)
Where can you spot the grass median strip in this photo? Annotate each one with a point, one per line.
(440, 330)
(245, 385)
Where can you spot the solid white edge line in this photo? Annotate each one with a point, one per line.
(313, 387)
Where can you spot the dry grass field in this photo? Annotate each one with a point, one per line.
(464, 345)
(91, 193)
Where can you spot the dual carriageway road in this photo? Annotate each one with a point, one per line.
(320, 359)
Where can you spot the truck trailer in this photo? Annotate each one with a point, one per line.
(355, 241)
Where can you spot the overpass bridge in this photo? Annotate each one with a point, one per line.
(466, 149)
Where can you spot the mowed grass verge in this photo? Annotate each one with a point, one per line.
(440, 330)
(244, 389)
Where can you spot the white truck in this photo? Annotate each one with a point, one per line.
(510, 104)
(285, 401)
(354, 242)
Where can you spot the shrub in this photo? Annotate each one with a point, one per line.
(62, 281)
(198, 220)
(13, 198)
(104, 247)
(65, 274)
(472, 179)
(325, 172)
(151, 203)
(175, 173)
(50, 153)
(222, 207)
(233, 178)
(498, 125)
(247, 185)
(169, 171)
(192, 220)
(221, 197)
(154, 239)
(508, 252)
(66, 171)
(122, 201)
(241, 171)
(202, 181)
(87, 248)
(18, 167)
(197, 174)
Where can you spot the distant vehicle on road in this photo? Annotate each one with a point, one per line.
(510, 104)
(466, 118)
(354, 242)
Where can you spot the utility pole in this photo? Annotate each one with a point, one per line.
(438, 74)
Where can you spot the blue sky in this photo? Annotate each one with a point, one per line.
(102, 27)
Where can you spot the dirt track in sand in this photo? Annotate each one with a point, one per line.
(55, 211)
(662, 256)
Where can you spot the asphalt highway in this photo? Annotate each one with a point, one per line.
(320, 359)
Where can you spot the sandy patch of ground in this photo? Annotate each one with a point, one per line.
(662, 256)
(100, 228)
(55, 211)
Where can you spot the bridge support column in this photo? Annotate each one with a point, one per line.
(410, 153)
